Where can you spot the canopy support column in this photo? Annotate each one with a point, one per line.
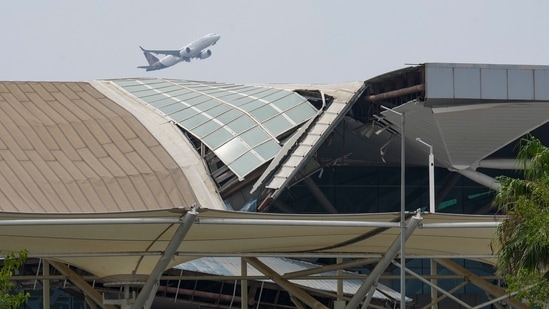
(285, 284)
(153, 280)
(46, 285)
(373, 277)
(481, 283)
(81, 284)
(244, 284)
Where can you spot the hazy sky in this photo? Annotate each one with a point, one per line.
(266, 41)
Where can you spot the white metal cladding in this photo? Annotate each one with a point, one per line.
(240, 124)
(486, 82)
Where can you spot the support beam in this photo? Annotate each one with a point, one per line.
(420, 278)
(434, 282)
(450, 292)
(395, 93)
(153, 280)
(481, 178)
(322, 269)
(81, 284)
(319, 195)
(244, 284)
(481, 283)
(46, 302)
(373, 278)
(285, 284)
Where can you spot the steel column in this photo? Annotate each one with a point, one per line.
(373, 277)
(244, 284)
(164, 260)
(46, 285)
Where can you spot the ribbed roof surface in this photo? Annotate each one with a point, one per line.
(65, 147)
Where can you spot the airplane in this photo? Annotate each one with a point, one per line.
(197, 49)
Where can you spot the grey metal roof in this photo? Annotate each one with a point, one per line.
(240, 124)
(230, 266)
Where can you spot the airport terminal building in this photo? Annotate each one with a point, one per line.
(163, 193)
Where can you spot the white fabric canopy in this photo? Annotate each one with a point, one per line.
(109, 248)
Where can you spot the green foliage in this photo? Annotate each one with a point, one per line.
(8, 299)
(523, 257)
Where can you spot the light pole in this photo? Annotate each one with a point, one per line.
(402, 207)
(431, 176)
(433, 265)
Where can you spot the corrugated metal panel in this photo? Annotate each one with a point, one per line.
(67, 148)
(230, 266)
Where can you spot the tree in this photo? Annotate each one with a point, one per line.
(9, 299)
(523, 255)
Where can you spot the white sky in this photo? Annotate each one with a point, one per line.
(266, 41)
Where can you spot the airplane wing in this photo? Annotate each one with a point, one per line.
(173, 52)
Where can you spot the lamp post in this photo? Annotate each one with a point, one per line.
(402, 207)
(433, 265)
(431, 176)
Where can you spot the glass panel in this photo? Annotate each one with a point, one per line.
(204, 106)
(264, 113)
(267, 92)
(153, 98)
(125, 82)
(290, 101)
(183, 114)
(253, 91)
(166, 101)
(229, 116)
(196, 100)
(241, 124)
(217, 138)
(254, 136)
(170, 109)
(194, 121)
(181, 92)
(275, 96)
(206, 128)
(250, 106)
(227, 96)
(231, 150)
(241, 100)
(143, 93)
(300, 113)
(152, 81)
(277, 125)
(137, 87)
(218, 110)
(245, 164)
(268, 150)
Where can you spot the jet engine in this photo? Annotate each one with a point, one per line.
(185, 52)
(205, 54)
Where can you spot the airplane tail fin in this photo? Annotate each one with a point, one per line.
(151, 59)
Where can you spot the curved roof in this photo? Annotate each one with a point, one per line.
(241, 124)
(68, 148)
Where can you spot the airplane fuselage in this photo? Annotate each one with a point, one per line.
(197, 49)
